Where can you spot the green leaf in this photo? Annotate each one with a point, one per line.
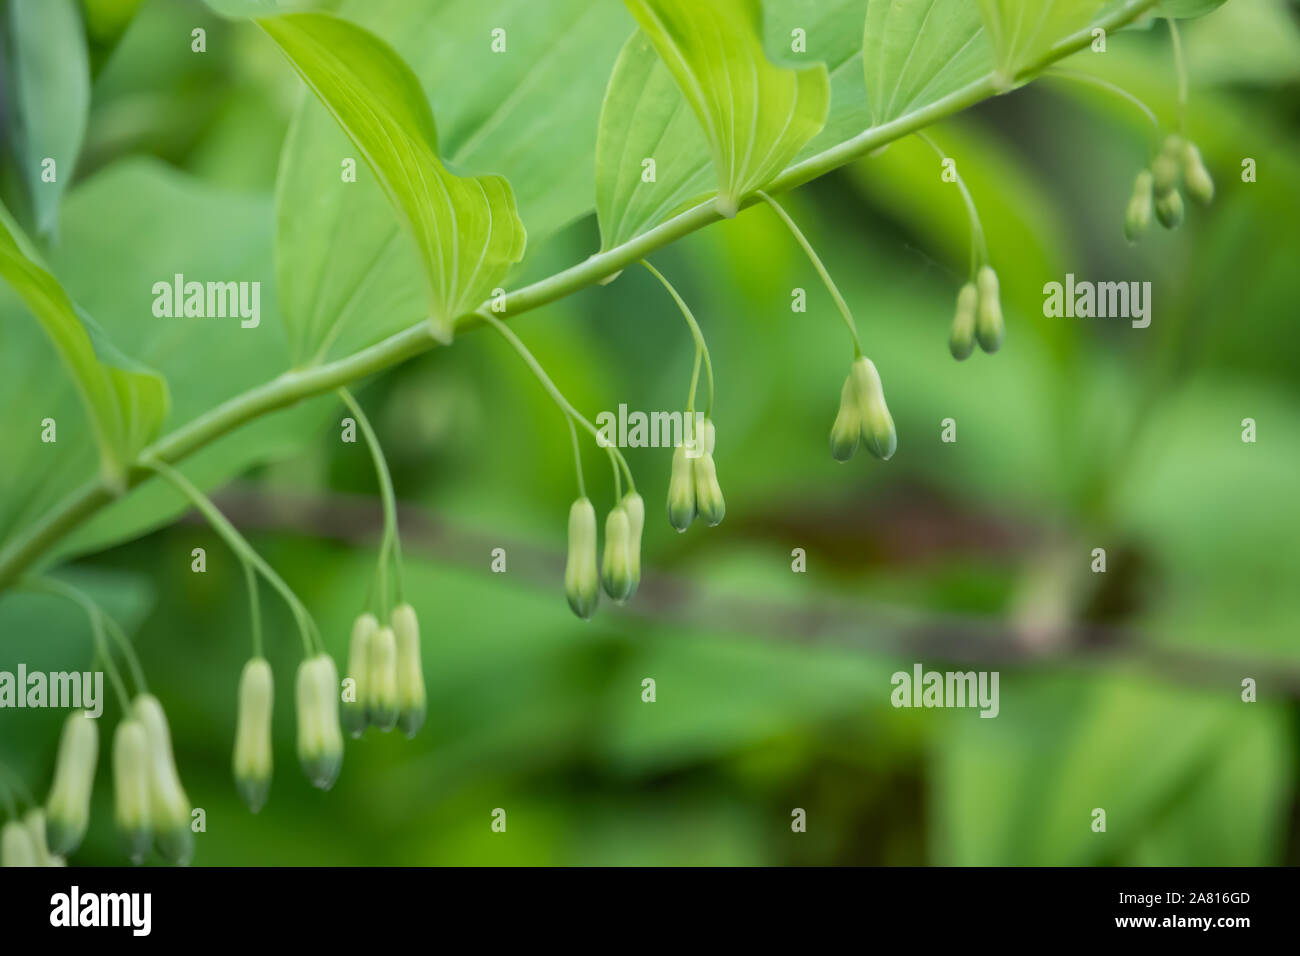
(125, 402)
(645, 117)
(1024, 32)
(918, 51)
(51, 78)
(345, 277)
(467, 231)
(1186, 9)
(756, 116)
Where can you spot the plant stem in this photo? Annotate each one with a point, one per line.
(96, 616)
(616, 457)
(244, 551)
(30, 548)
(254, 609)
(132, 660)
(979, 250)
(701, 349)
(390, 542)
(821, 271)
(577, 456)
(1109, 87)
(1180, 68)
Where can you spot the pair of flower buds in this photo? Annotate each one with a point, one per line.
(1179, 161)
(23, 842)
(978, 317)
(620, 567)
(387, 673)
(863, 415)
(693, 487)
(150, 805)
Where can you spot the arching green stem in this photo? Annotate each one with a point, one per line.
(96, 617)
(391, 544)
(254, 608)
(577, 456)
(701, 348)
(821, 271)
(1112, 88)
(311, 641)
(557, 396)
(979, 250)
(1180, 69)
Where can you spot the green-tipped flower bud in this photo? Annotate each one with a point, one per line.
(581, 578)
(848, 424)
(1200, 185)
(878, 432)
(353, 708)
(635, 508)
(252, 759)
(708, 493)
(381, 690)
(681, 490)
(989, 328)
(1137, 220)
(615, 566)
(961, 343)
(16, 847)
(169, 807)
(1165, 171)
(320, 741)
(131, 788)
(411, 703)
(1169, 209)
(34, 820)
(67, 812)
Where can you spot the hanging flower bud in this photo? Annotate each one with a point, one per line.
(381, 676)
(1165, 170)
(1169, 209)
(962, 340)
(1138, 217)
(681, 490)
(252, 759)
(131, 788)
(16, 847)
(67, 812)
(581, 579)
(320, 742)
(411, 704)
(34, 820)
(169, 807)
(708, 493)
(635, 508)
(848, 424)
(989, 329)
(878, 432)
(1200, 186)
(353, 712)
(615, 567)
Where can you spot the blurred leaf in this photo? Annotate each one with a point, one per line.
(756, 116)
(467, 231)
(1024, 32)
(1188, 8)
(126, 402)
(51, 79)
(916, 53)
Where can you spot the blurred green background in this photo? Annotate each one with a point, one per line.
(1119, 690)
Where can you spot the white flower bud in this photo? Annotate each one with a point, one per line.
(67, 812)
(581, 577)
(989, 328)
(877, 424)
(16, 847)
(381, 691)
(252, 761)
(634, 505)
(34, 820)
(320, 741)
(169, 807)
(1200, 185)
(411, 703)
(961, 343)
(131, 768)
(681, 490)
(616, 569)
(353, 711)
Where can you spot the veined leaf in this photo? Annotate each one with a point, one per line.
(51, 77)
(756, 116)
(1024, 31)
(652, 159)
(346, 277)
(467, 231)
(918, 51)
(125, 402)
